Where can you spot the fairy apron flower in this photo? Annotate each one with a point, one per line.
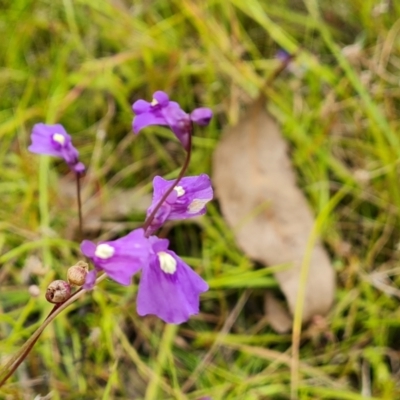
(53, 140)
(120, 259)
(168, 288)
(162, 111)
(187, 200)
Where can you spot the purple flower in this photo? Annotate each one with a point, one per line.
(53, 140)
(162, 111)
(90, 279)
(188, 199)
(120, 259)
(283, 55)
(168, 288)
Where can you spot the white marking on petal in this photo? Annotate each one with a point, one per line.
(167, 262)
(180, 191)
(57, 137)
(196, 205)
(154, 102)
(104, 251)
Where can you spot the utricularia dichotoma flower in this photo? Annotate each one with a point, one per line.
(53, 140)
(187, 200)
(168, 287)
(162, 111)
(120, 259)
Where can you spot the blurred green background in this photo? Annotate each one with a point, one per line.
(82, 63)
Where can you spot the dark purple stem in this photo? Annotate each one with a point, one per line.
(17, 364)
(22, 356)
(150, 218)
(78, 195)
(29, 346)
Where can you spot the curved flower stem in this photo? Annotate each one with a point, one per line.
(150, 218)
(78, 196)
(9, 368)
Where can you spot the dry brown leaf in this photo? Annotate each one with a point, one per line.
(278, 316)
(269, 215)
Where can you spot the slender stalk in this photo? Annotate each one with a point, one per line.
(275, 74)
(44, 205)
(79, 199)
(150, 218)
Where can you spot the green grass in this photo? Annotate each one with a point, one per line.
(82, 63)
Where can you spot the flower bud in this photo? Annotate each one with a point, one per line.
(58, 291)
(34, 290)
(76, 274)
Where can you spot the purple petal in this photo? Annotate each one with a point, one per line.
(201, 116)
(141, 107)
(158, 244)
(70, 155)
(90, 280)
(120, 259)
(282, 55)
(161, 98)
(162, 111)
(160, 185)
(198, 192)
(42, 142)
(88, 248)
(172, 297)
(79, 168)
(146, 119)
(179, 122)
(195, 184)
(183, 136)
(54, 140)
(190, 197)
(121, 270)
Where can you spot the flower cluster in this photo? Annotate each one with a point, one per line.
(168, 287)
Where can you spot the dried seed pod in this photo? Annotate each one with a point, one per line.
(58, 291)
(76, 274)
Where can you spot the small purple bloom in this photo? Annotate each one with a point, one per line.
(90, 280)
(201, 116)
(53, 140)
(162, 111)
(120, 259)
(283, 55)
(188, 199)
(168, 288)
